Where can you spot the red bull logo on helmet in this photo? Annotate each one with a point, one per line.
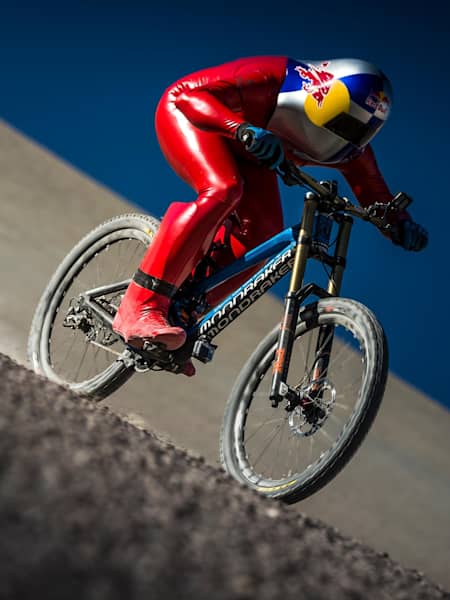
(380, 103)
(317, 81)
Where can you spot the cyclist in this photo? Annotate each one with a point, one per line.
(225, 130)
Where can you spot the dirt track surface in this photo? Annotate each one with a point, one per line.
(94, 508)
(394, 495)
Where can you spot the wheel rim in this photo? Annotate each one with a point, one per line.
(66, 355)
(274, 448)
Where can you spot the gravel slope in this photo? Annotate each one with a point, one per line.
(93, 508)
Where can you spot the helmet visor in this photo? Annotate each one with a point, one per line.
(353, 130)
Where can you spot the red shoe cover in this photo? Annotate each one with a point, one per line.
(142, 316)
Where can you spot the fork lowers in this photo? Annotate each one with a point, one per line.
(306, 249)
(284, 349)
(292, 302)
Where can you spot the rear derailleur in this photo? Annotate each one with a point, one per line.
(80, 317)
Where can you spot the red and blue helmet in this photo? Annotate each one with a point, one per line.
(330, 110)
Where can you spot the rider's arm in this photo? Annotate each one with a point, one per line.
(369, 187)
(206, 112)
(219, 98)
(367, 182)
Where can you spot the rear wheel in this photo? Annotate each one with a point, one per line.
(67, 342)
(291, 451)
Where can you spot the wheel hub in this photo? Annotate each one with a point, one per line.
(315, 404)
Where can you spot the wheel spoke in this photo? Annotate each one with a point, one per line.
(80, 354)
(269, 454)
(325, 433)
(311, 444)
(278, 451)
(271, 438)
(69, 349)
(81, 361)
(262, 424)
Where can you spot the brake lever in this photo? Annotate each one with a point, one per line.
(288, 173)
(400, 201)
(373, 216)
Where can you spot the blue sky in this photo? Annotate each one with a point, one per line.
(83, 78)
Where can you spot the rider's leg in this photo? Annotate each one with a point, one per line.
(205, 161)
(260, 217)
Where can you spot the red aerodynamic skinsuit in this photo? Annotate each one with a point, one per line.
(196, 122)
(238, 198)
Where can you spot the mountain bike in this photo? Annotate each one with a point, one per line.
(309, 392)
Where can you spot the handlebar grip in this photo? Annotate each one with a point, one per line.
(247, 139)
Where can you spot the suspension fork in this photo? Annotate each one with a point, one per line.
(292, 304)
(326, 334)
(293, 301)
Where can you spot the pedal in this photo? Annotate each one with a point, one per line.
(151, 352)
(151, 348)
(152, 356)
(203, 351)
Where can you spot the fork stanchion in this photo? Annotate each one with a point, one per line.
(292, 302)
(340, 256)
(325, 336)
(304, 243)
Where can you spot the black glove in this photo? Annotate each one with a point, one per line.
(409, 235)
(263, 144)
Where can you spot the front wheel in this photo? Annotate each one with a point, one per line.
(291, 451)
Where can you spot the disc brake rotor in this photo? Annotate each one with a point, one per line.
(318, 399)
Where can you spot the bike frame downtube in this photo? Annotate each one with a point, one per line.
(292, 302)
(281, 249)
(262, 252)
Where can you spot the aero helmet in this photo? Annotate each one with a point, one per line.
(330, 110)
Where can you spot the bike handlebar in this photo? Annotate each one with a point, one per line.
(247, 139)
(293, 175)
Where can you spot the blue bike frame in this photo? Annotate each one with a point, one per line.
(281, 251)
